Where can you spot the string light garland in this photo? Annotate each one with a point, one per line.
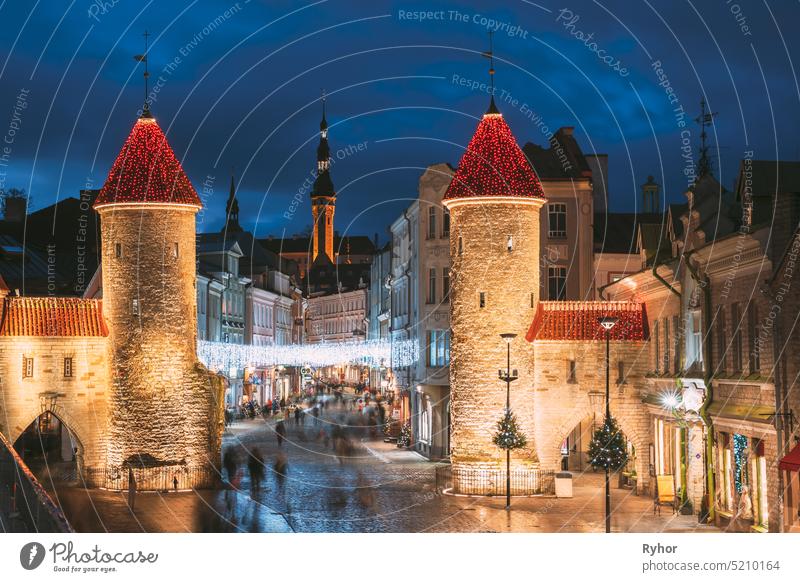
(739, 461)
(147, 171)
(494, 165)
(224, 356)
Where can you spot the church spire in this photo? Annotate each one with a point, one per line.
(323, 196)
(232, 210)
(492, 110)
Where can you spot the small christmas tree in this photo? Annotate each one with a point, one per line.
(404, 439)
(607, 449)
(508, 436)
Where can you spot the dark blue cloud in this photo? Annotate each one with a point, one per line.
(238, 87)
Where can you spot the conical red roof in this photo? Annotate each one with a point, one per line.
(147, 171)
(493, 165)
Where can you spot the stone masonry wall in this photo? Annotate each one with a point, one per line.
(560, 405)
(164, 404)
(510, 280)
(79, 401)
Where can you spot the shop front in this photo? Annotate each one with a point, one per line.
(790, 466)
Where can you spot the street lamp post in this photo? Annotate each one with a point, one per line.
(508, 377)
(608, 323)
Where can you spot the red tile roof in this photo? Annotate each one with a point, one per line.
(147, 171)
(578, 321)
(494, 165)
(52, 317)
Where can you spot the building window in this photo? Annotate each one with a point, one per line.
(460, 246)
(27, 367)
(657, 345)
(445, 223)
(736, 323)
(446, 284)
(432, 285)
(696, 337)
(118, 250)
(666, 345)
(135, 306)
(482, 299)
(533, 300)
(754, 359)
(557, 220)
(438, 348)
(67, 367)
(620, 372)
(557, 283)
(722, 339)
(572, 372)
(175, 253)
(676, 342)
(431, 222)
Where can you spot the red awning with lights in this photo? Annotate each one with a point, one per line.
(791, 462)
(579, 321)
(52, 317)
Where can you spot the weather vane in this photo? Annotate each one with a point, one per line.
(490, 55)
(705, 119)
(143, 59)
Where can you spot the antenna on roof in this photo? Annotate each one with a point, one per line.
(705, 119)
(143, 59)
(490, 55)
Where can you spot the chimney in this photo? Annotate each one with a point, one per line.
(14, 208)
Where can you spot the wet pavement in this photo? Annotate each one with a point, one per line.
(309, 485)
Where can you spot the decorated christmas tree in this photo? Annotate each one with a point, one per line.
(508, 436)
(608, 449)
(404, 439)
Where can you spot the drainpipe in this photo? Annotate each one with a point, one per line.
(705, 285)
(778, 380)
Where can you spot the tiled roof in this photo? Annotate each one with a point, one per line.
(147, 171)
(578, 321)
(52, 317)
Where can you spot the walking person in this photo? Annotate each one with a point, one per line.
(280, 432)
(131, 489)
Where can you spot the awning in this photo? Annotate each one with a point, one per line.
(791, 462)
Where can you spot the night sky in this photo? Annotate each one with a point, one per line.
(239, 87)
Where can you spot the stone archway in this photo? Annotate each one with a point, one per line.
(51, 448)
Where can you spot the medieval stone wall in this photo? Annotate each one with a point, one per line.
(164, 404)
(482, 263)
(79, 401)
(561, 404)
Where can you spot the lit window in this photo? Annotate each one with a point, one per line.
(67, 367)
(27, 367)
(557, 220)
(438, 341)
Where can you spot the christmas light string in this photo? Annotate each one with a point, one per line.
(224, 356)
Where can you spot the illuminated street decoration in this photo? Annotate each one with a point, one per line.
(223, 356)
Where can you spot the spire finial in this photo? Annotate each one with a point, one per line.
(705, 119)
(143, 59)
(490, 55)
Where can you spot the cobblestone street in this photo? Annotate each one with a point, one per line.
(375, 488)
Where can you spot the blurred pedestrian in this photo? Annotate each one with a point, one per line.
(255, 464)
(280, 432)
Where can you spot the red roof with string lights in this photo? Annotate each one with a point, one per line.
(52, 317)
(493, 164)
(146, 171)
(579, 321)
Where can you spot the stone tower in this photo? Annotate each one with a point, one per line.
(323, 196)
(494, 202)
(165, 407)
